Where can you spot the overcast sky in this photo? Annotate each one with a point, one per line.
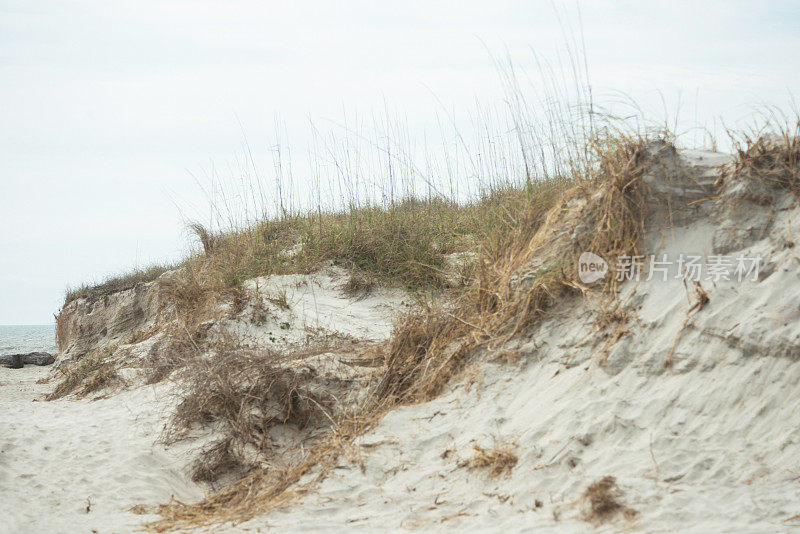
(107, 109)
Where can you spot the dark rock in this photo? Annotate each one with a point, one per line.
(16, 361)
(39, 358)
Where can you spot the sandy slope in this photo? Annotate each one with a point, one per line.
(709, 444)
(58, 458)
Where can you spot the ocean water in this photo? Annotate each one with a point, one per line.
(27, 338)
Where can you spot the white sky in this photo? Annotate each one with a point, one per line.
(108, 108)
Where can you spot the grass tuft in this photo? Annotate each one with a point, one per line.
(772, 158)
(242, 394)
(87, 375)
(602, 501)
(116, 284)
(497, 460)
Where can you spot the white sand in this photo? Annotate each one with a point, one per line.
(58, 457)
(711, 444)
(317, 308)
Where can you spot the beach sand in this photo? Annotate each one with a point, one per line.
(694, 409)
(79, 465)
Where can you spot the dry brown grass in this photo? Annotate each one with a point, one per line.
(170, 352)
(773, 159)
(519, 282)
(497, 460)
(263, 489)
(526, 265)
(205, 237)
(242, 393)
(116, 283)
(87, 375)
(603, 501)
(359, 284)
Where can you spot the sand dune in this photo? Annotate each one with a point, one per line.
(692, 406)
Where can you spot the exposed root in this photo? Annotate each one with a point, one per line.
(169, 353)
(701, 299)
(218, 460)
(243, 394)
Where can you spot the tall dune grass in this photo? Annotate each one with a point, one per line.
(526, 189)
(508, 195)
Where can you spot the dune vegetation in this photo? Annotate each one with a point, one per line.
(569, 183)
